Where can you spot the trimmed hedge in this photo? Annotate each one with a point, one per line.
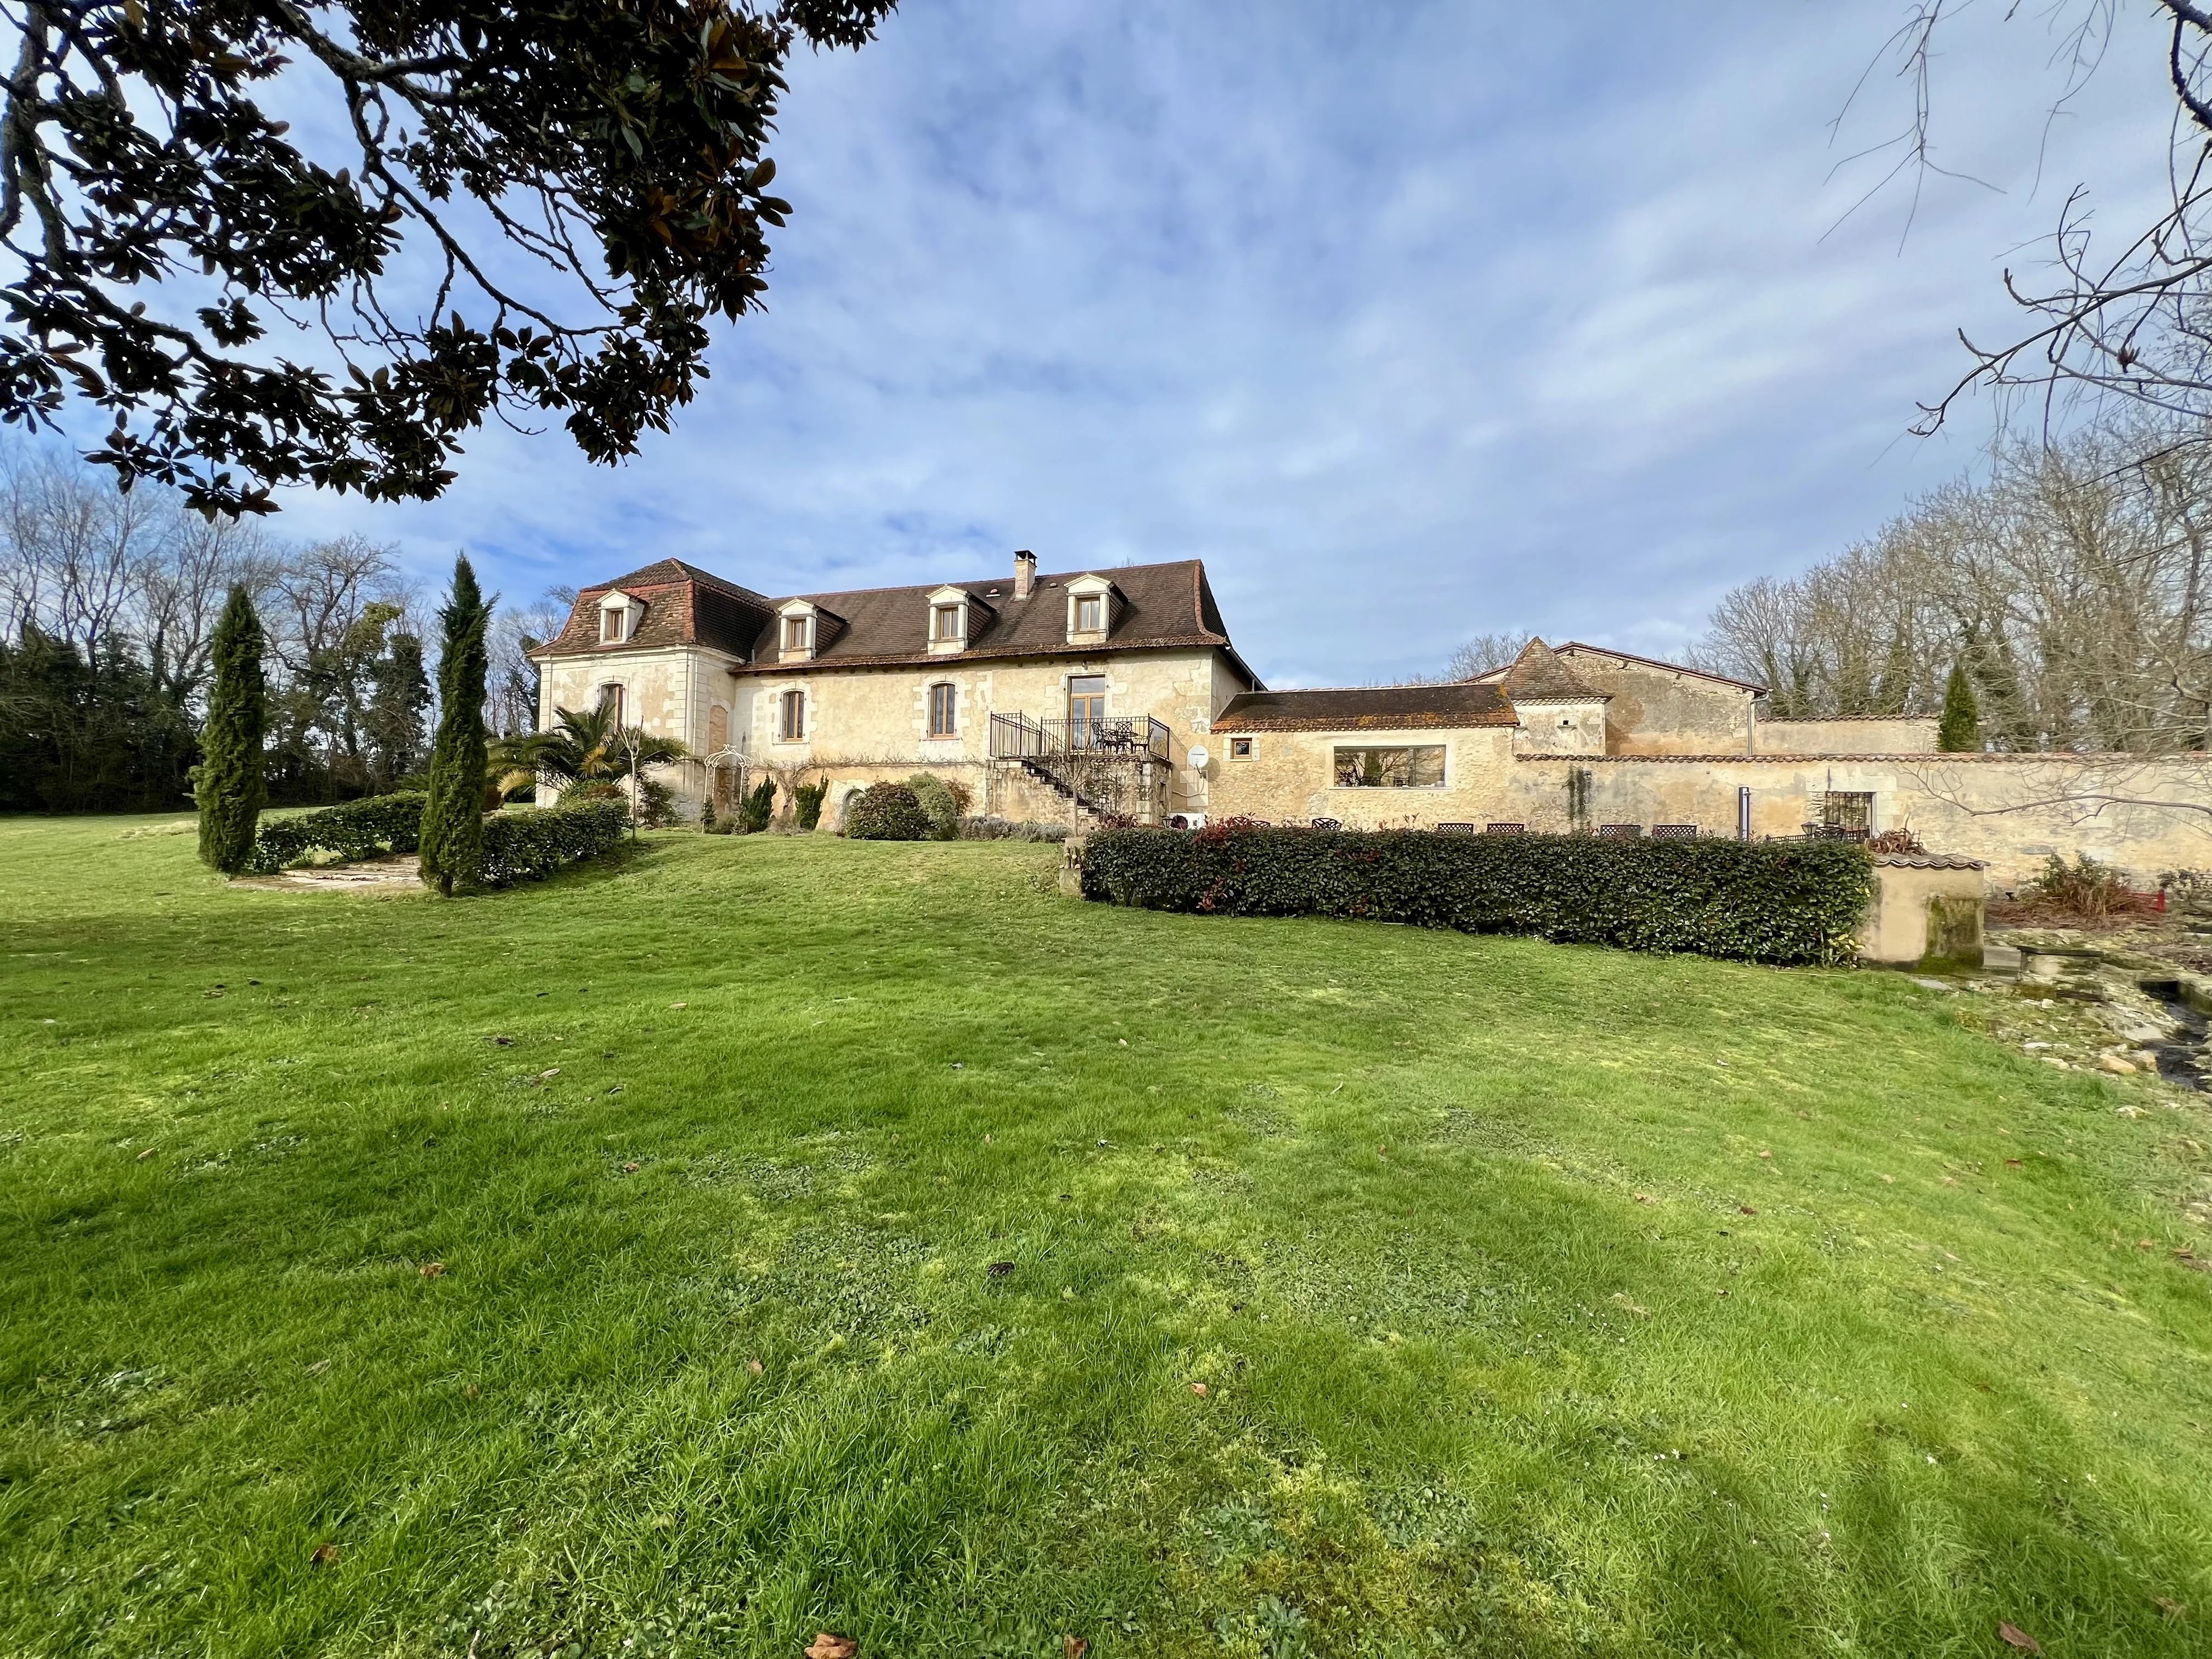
(525, 843)
(352, 830)
(887, 811)
(1786, 901)
(529, 843)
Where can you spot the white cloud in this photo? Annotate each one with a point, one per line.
(1412, 328)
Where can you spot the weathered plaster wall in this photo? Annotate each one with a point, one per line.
(1665, 711)
(1919, 915)
(1898, 734)
(1292, 779)
(1561, 728)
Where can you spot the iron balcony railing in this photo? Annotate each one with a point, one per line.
(1112, 737)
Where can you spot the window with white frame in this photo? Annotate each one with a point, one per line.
(948, 622)
(1411, 767)
(944, 710)
(797, 633)
(1090, 613)
(614, 624)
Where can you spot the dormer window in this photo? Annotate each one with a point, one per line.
(803, 629)
(957, 619)
(619, 615)
(1092, 604)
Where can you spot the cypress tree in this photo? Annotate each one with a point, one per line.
(1960, 730)
(453, 817)
(228, 785)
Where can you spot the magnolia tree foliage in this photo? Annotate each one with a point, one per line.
(173, 244)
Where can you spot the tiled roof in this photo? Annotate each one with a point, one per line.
(1537, 675)
(1380, 708)
(1574, 646)
(1824, 719)
(683, 605)
(1159, 605)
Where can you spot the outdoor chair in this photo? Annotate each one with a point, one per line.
(1674, 831)
(1621, 831)
(1504, 829)
(1328, 824)
(1455, 829)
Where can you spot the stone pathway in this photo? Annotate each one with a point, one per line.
(394, 874)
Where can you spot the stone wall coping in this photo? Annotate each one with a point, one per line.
(1921, 757)
(1930, 861)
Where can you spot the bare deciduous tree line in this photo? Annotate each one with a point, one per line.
(92, 576)
(2072, 581)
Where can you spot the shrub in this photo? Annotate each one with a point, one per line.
(887, 811)
(528, 843)
(942, 799)
(352, 830)
(228, 785)
(756, 806)
(1796, 902)
(1009, 830)
(2087, 888)
(807, 798)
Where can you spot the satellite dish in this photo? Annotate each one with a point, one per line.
(1199, 756)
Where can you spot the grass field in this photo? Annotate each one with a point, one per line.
(606, 1267)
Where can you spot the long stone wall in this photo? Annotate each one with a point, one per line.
(2011, 811)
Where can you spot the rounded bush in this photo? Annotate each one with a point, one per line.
(937, 799)
(887, 811)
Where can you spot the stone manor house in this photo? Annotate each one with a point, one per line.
(1118, 691)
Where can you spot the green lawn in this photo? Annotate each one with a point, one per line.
(1545, 1300)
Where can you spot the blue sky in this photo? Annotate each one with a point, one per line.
(1413, 321)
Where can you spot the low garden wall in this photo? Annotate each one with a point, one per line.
(1778, 902)
(526, 844)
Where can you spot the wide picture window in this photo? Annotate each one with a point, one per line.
(1411, 767)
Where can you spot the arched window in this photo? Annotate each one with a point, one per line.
(792, 726)
(944, 710)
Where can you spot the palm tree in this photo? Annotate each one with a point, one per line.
(586, 746)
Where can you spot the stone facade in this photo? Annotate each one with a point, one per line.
(1550, 767)
(863, 686)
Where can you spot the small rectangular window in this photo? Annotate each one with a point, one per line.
(1090, 613)
(943, 707)
(792, 726)
(944, 623)
(796, 632)
(1240, 749)
(613, 625)
(610, 703)
(1421, 768)
(1848, 813)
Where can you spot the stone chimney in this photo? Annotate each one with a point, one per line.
(1024, 573)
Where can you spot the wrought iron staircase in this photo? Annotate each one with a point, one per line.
(1110, 766)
